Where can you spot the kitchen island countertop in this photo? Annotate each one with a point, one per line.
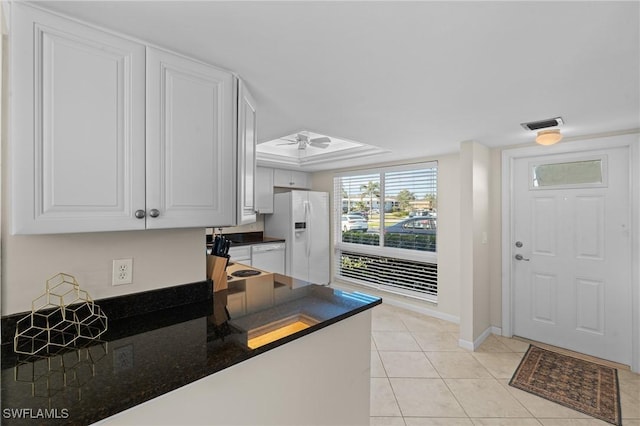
(142, 357)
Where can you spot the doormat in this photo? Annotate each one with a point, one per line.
(580, 385)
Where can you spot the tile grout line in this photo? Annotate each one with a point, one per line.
(492, 376)
(395, 397)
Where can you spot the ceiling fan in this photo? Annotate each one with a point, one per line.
(303, 141)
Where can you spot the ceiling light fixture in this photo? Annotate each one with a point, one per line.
(548, 137)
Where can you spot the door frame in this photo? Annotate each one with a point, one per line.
(629, 140)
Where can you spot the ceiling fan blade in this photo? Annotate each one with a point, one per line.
(289, 141)
(323, 139)
(322, 145)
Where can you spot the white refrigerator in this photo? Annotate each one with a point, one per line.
(302, 219)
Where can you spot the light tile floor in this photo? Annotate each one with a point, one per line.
(421, 377)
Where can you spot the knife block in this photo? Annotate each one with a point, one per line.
(217, 271)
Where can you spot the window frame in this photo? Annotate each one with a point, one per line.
(381, 250)
(603, 169)
(423, 256)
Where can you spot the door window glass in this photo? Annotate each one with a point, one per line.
(569, 174)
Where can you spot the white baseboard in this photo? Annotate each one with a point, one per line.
(397, 300)
(400, 302)
(422, 310)
(465, 344)
(472, 346)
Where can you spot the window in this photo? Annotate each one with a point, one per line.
(575, 174)
(386, 229)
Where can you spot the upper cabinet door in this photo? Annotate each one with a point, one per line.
(264, 190)
(191, 171)
(77, 129)
(247, 139)
(291, 179)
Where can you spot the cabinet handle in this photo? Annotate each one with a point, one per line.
(154, 212)
(140, 214)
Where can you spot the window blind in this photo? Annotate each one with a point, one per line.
(396, 250)
(388, 273)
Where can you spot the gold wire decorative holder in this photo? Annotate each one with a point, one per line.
(63, 315)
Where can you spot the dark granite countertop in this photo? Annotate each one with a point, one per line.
(142, 357)
(247, 238)
(262, 240)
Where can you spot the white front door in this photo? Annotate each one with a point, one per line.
(571, 252)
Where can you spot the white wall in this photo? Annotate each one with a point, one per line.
(448, 305)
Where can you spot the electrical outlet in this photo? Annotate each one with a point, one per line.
(122, 271)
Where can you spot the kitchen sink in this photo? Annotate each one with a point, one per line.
(279, 329)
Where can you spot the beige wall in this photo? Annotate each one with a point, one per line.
(258, 226)
(161, 258)
(495, 237)
(475, 167)
(3, 119)
(448, 305)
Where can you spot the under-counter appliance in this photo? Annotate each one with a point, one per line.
(268, 257)
(301, 218)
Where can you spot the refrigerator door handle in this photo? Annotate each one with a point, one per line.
(307, 213)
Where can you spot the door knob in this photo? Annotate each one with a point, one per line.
(520, 257)
(154, 212)
(140, 214)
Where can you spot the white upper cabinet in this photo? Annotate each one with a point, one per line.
(190, 143)
(107, 134)
(291, 179)
(77, 133)
(247, 138)
(264, 190)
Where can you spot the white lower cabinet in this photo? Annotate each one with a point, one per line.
(241, 254)
(108, 134)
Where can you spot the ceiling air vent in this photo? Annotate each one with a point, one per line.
(543, 124)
